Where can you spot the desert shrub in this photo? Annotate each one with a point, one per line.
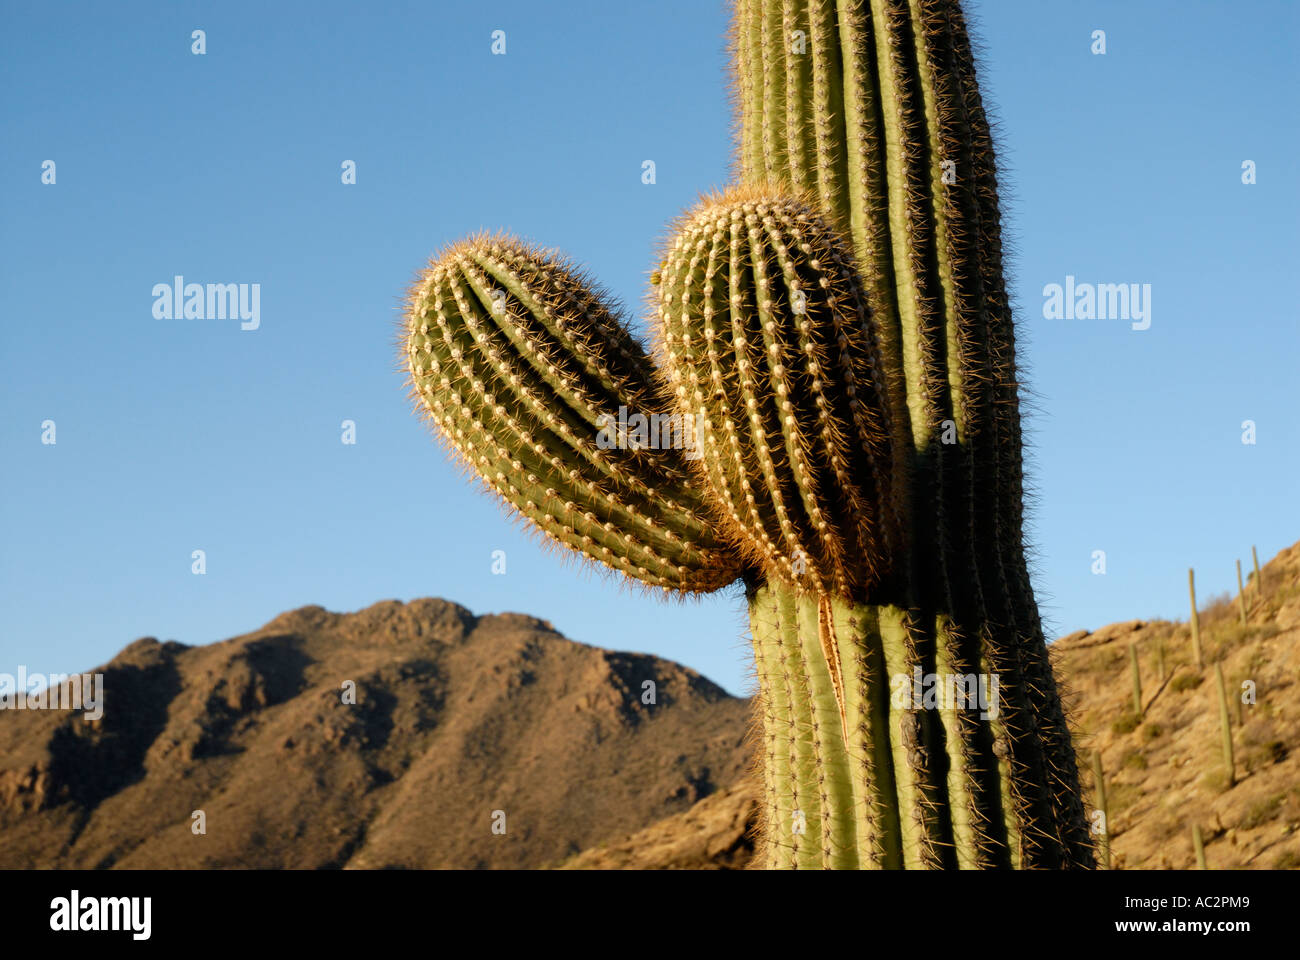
(1185, 681)
(1287, 860)
(1216, 606)
(1216, 781)
(1126, 722)
(1262, 811)
(1152, 731)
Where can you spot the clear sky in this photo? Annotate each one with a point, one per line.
(181, 435)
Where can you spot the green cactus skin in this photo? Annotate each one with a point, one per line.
(839, 324)
(1259, 582)
(1199, 847)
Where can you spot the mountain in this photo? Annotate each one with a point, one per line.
(459, 724)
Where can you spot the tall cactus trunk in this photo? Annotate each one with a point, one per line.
(872, 108)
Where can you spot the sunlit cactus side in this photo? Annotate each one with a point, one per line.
(870, 113)
(520, 364)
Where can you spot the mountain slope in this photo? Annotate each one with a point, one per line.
(455, 717)
(1165, 770)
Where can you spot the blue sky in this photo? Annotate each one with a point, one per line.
(177, 435)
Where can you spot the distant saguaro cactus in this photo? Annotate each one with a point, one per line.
(1196, 621)
(1225, 726)
(1103, 806)
(1241, 596)
(1137, 678)
(835, 350)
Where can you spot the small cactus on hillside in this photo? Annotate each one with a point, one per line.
(1225, 727)
(835, 351)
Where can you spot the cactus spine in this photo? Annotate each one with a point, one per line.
(837, 327)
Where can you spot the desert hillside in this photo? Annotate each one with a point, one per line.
(1166, 769)
(455, 717)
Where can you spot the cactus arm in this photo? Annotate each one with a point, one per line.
(515, 360)
(794, 394)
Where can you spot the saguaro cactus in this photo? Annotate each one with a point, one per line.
(1241, 596)
(1103, 806)
(1225, 726)
(836, 352)
(1196, 621)
(1136, 672)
